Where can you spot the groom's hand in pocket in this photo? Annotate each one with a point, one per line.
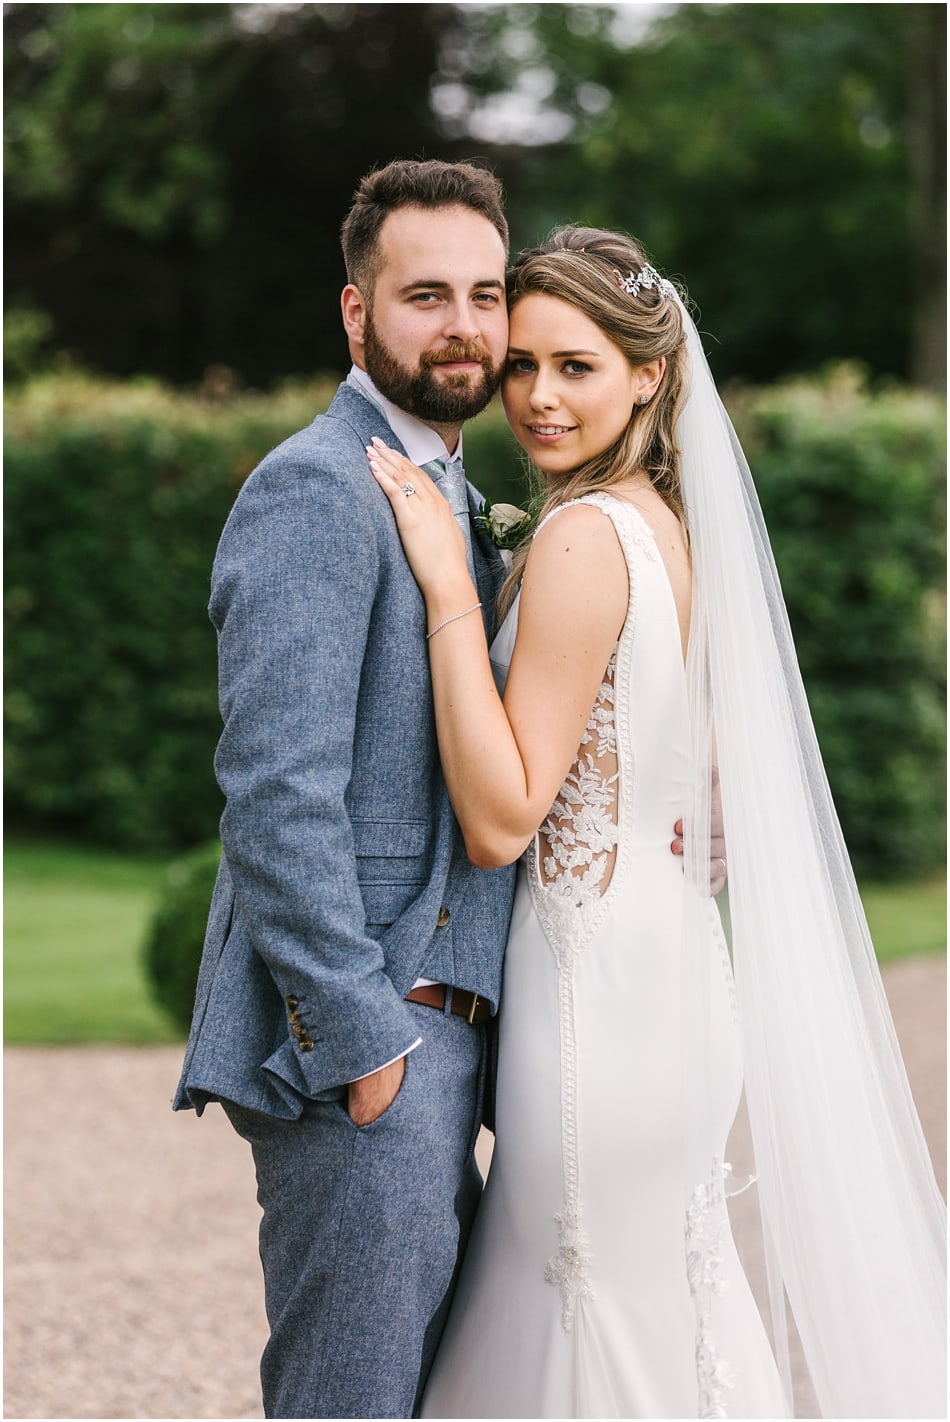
(369, 1097)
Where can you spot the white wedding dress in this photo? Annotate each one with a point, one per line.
(601, 1280)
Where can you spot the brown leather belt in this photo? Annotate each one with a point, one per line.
(464, 1004)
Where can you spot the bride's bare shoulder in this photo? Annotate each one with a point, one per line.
(574, 593)
(576, 560)
(579, 527)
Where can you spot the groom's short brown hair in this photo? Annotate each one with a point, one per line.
(406, 182)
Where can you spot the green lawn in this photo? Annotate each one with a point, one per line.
(907, 918)
(73, 926)
(75, 919)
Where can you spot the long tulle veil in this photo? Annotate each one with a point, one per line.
(853, 1225)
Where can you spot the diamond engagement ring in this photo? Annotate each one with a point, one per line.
(409, 490)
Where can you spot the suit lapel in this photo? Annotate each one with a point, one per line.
(358, 411)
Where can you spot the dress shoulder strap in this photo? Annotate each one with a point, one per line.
(632, 528)
(593, 500)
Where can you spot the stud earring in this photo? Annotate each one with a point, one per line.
(644, 400)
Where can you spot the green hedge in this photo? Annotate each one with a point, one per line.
(854, 493)
(115, 497)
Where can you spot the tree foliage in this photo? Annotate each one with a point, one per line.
(176, 173)
(767, 154)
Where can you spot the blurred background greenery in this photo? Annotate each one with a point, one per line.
(175, 177)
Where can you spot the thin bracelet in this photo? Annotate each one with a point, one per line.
(454, 618)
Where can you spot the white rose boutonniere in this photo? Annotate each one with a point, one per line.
(505, 524)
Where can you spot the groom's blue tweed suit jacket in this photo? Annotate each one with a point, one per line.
(344, 877)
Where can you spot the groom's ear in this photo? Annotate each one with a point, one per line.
(353, 306)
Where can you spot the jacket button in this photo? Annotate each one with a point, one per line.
(299, 1030)
(294, 1016)
(292, 1002)
(444, 918)
(306, 1045)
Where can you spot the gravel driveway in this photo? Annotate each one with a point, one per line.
(132, 1280)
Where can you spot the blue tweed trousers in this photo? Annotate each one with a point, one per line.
(363, 1228)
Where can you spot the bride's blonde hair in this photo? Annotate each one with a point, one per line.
(587, 266)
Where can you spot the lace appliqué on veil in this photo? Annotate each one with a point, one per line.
(706, 1224)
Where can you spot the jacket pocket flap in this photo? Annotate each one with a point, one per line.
(395, 839)
(383, 903)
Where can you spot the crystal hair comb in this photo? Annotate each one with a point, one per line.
(649, 277)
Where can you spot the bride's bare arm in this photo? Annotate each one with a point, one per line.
(505, 762)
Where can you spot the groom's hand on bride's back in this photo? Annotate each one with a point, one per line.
(717, 840)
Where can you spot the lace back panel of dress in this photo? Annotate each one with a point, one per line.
(577, 844)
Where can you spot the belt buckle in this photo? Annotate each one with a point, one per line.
(471, 1011)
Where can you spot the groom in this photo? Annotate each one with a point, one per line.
(353, 954)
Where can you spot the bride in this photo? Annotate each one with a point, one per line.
(645, 643)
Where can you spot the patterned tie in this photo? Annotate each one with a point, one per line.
(449, 477)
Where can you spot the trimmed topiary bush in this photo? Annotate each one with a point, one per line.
(172, 949)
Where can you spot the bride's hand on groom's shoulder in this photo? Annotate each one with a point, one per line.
(431, 537)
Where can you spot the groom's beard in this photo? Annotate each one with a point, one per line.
(439, 400)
